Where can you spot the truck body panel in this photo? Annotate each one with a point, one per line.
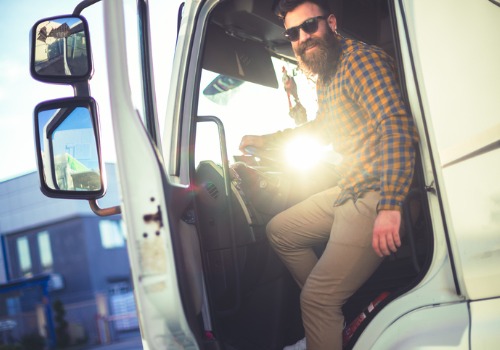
(460, 107)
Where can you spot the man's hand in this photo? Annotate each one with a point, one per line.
(251, 140)
(386, 232)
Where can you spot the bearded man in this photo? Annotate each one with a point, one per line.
(361, 113)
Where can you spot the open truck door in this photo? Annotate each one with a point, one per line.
(163, 294)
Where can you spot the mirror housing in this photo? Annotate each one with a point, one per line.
(68, 149)
(60, 50)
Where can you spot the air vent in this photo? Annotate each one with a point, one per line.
(212, 190)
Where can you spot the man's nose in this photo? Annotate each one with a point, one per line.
(303, 36)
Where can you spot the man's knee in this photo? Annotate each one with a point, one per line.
(273, 229)
(307, 297)
(310, 298)
(314, 298)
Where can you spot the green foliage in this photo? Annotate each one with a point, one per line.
(33, 341)
(11, 347)
(62, 334)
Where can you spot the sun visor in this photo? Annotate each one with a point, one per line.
(238, 58)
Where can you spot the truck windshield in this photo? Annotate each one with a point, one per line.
(248, 109)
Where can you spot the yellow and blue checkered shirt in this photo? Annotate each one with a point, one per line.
(362, 114)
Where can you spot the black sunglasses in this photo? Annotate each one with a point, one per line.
(309, 26)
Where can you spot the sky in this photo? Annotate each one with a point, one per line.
(20, 93)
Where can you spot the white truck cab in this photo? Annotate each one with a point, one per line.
(196, 209)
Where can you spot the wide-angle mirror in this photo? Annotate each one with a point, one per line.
(67, 142)
(60, 50)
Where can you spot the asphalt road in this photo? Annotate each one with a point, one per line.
(126, 344)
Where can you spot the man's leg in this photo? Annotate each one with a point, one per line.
(347, 262)
(296, 230)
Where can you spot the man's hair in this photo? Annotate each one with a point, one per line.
(284, 6)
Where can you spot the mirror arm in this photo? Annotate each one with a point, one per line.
(104, 211)
(83, 5)
(81, 88)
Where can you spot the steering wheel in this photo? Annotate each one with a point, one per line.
(270, 154)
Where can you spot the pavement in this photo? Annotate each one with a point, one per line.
(132, 343)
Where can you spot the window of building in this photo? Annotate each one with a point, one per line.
(45, 250)
(13, 306)
(122, 305)
(111, 234)
(23, 252)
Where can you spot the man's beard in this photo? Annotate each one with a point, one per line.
(323, 59)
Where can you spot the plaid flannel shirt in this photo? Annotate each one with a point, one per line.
(362, 114)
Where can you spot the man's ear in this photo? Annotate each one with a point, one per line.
(332, 22)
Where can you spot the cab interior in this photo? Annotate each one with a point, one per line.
(253, 301)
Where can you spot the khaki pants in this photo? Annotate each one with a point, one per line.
(347, 262)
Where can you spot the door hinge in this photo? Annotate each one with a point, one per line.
(431, 188)
(156, 217)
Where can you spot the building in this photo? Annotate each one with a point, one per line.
(59, 251)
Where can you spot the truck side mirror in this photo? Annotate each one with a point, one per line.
(68, 152)
(60, 50)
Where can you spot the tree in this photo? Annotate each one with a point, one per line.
(62, 335)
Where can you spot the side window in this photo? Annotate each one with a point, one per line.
(207, 143)
(247, 108)
(45, 249)
(24, 255)
(111, 234)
